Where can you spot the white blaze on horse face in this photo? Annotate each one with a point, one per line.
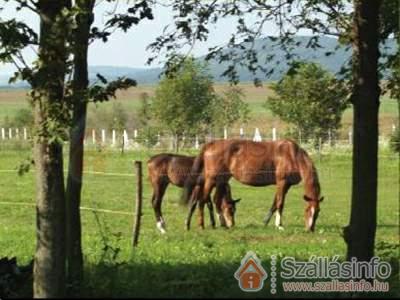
(227, 218)
(221, 219)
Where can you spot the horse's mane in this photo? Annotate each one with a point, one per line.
(308, 172)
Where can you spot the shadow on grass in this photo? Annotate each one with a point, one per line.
(212, 280)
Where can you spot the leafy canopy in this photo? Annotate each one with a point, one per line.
(311, 99)
(229, 108)
(183, 97)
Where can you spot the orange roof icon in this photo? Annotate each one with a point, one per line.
(251, 274)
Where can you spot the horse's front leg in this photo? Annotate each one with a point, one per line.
(192, 206)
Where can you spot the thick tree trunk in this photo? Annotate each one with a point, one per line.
(49, 262)
(360, 233)
(76, 150)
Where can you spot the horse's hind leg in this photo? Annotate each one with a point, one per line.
(159, 191)
(280, 202)
(271, 212)
(211, 211)
(192, 207)
(201, 214)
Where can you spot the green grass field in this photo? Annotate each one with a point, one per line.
(198, 263)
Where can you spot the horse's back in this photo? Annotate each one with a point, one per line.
(179, 168)
(252, 163)
(169, 167)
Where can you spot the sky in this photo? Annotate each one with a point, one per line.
(124, 49)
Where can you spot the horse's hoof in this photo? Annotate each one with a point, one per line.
(187, 227)
(280, 228)
(161, 227)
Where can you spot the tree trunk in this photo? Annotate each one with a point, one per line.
(49, 262)
(360, 233)
(76, 151)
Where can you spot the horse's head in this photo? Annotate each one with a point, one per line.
(228, 210)
(312, 211)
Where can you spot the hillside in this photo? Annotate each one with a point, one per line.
(263, 46)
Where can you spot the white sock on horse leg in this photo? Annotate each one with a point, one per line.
(278, 219)
(161, 226)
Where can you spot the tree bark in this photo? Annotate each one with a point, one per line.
(360, 233)
(76, 151)
(48, 88)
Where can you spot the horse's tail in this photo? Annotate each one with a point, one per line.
(194, 177)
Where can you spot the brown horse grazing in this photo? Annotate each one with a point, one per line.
(282, 163)
(166, 168)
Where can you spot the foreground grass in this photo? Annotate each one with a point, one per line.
(198, 263)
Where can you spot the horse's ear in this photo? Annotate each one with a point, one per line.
(237, 200)
(307, 198)
(321, 199)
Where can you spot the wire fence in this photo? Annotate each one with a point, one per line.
(125, 141)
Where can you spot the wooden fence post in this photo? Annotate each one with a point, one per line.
(125, 139)
(94, 136)
(350, 137)
(257, 135)
(241, 132)
(329, 138)
(103, 136)
(138, 205)
(114, 138)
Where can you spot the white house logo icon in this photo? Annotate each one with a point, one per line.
(251, 274)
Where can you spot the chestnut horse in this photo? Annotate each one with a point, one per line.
(166, 168)
(282, 163)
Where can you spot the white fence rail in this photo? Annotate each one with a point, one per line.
(133, 139)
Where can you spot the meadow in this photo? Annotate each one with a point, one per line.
(195, 263)
(13, 100)
(198, 263)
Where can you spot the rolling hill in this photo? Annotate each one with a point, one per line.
(264, 47)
